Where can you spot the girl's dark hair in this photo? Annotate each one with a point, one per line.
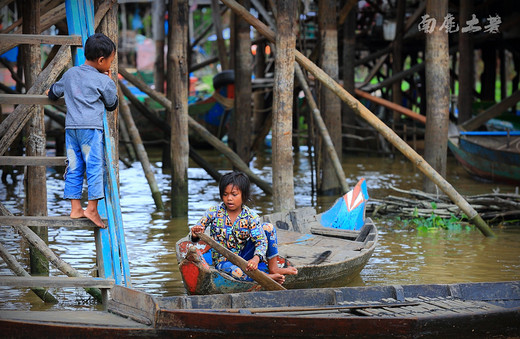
(238, 179)
(99, 45)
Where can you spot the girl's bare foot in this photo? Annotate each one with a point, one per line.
(95, 218)
(277, 277)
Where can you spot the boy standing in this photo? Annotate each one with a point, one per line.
(88, 90)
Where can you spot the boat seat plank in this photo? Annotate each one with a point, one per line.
(34, 281)
(90, 318)
(47, 221)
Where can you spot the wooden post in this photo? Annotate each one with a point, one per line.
(283, 182)
(466, 64)
(489, 75)
(240, 131)
(221, 43)
(364, 113)
(158, 11)
(348, 117)
(330, 105)
(108, 26)
(35, 180)
(178, 95)
(437, 95)
(397, 58)
(141, 152)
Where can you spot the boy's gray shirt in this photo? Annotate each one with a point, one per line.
(87, 93)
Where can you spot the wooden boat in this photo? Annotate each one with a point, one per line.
(492, 156)
(328, 249)
(464, 310)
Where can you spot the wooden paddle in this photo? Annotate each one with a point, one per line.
(260, 277)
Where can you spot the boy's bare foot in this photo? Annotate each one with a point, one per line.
(95, 218)
(277, 277)
(77, 214)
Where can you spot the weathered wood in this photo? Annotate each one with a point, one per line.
(437, 94)
(200, 130)
(283, 182)
(158, 12)
(329, 103)
(221, 44)
(178, 95)
(397, 56)
(21, 114)
(56, 261)
(47, 221)
(32, 161)
(333, 232)
(141, 151)
(56, 282)
(362, 111)
(28, 99)
(466, 75)
(11, 262)
(37, 39)
(392, 106)
(258, 276)
(492, 112)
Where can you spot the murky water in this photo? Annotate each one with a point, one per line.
(404, 256)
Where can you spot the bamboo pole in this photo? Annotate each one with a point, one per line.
(260, 277)
(490, 113)
(56, 261)
(140, 150)
(322, 129)
(10, 260)
(366, 114)
(203, 132)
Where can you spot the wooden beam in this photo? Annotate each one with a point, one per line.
(392, 106)
(37, 39)
(32, 161)
(33, 281)
(47, 221)
(28, 99)
(491, 112)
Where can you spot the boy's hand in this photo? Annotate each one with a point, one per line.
(109, 73)
(47, 92)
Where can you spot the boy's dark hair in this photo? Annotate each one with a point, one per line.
(99, 45)
(237, 179)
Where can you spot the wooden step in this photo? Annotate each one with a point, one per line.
(16, 281)
(32, 161)
(47, 221)
(29, 99)
(37, 39)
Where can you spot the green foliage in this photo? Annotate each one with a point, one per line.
(435, 222)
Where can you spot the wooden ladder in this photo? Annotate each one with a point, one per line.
(111, 255)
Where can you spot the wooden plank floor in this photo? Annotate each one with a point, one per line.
(89, 318)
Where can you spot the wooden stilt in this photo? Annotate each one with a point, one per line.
(466, 65)
(221, 44)
(437, 94)
(283, 182)
(158, 11)
(178, 95)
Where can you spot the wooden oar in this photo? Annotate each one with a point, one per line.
(260, 277)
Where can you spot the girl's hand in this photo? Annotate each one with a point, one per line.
(196, 229)
(252, 264)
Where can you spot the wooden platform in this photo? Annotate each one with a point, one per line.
(90, 318)
(47, 221)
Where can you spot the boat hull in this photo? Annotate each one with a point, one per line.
(486, 163)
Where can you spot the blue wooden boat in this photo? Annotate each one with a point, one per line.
(493, 156)
(328, 249)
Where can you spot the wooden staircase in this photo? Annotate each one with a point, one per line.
(112, 260)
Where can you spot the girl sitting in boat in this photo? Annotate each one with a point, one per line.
(238, 228)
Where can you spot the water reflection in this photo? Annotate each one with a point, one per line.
(403, 256)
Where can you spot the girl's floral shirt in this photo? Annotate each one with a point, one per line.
(234, 237)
